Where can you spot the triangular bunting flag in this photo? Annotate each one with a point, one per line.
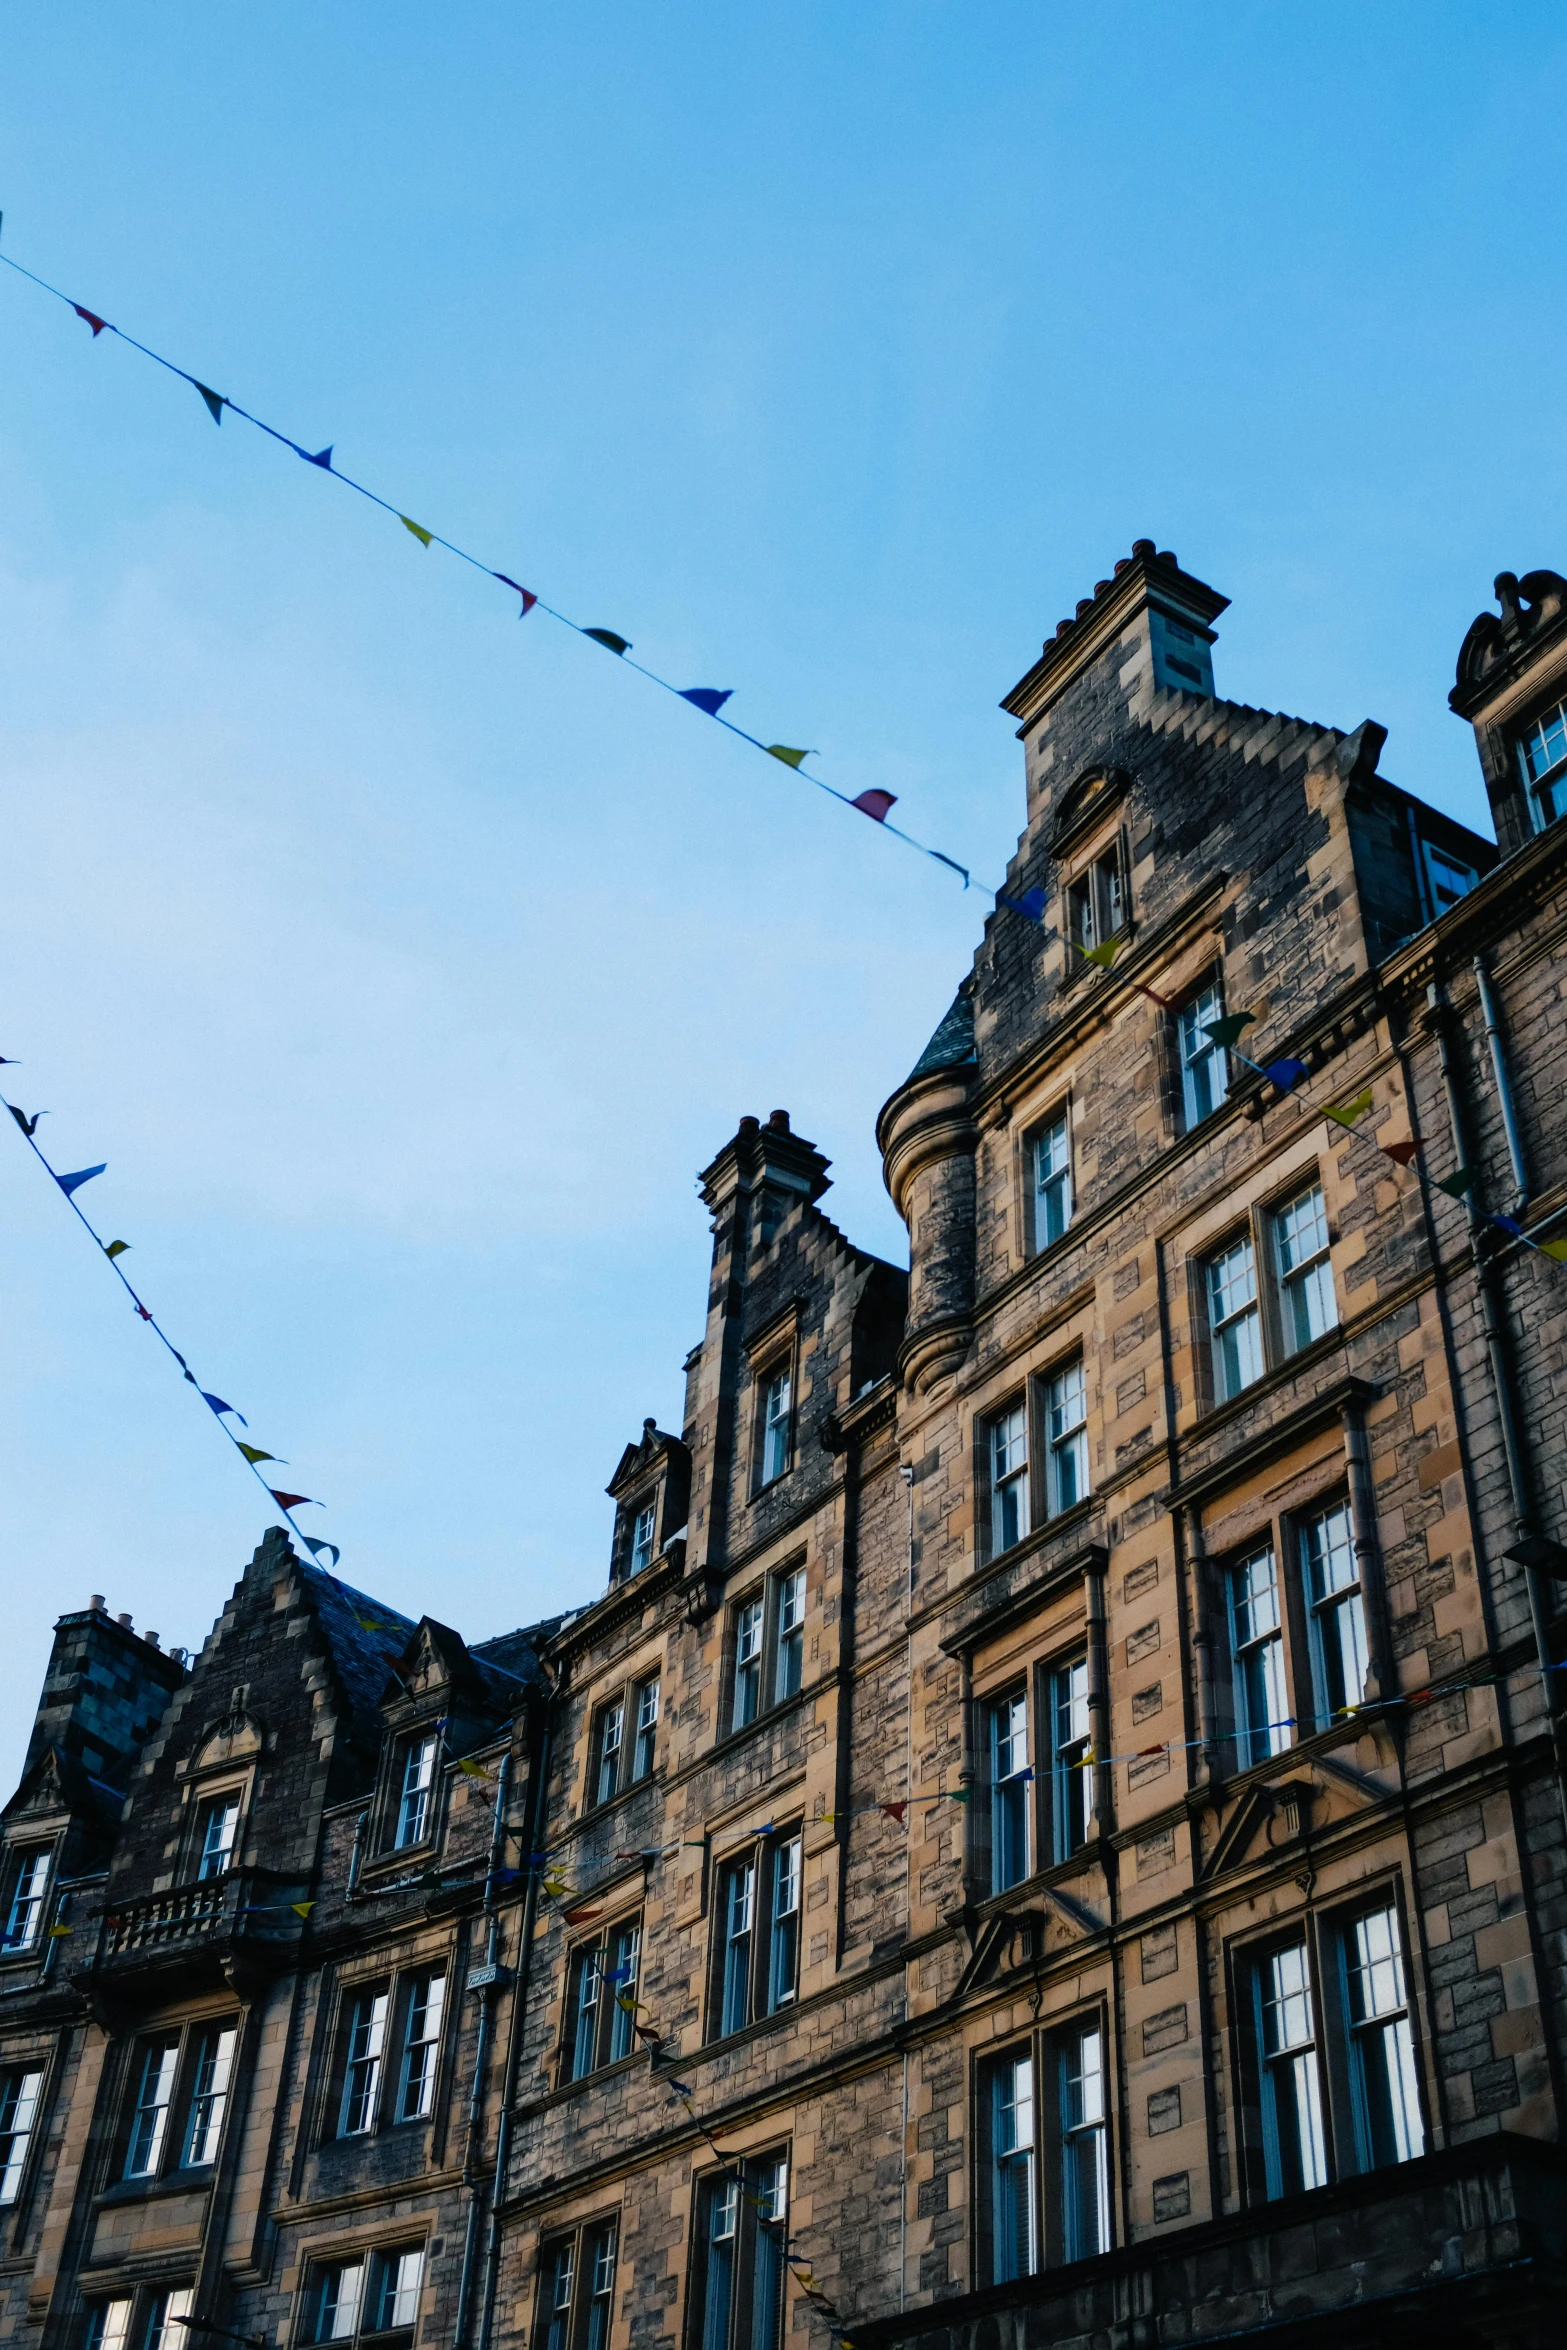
(710, 698)
(1031, 905)
(254, 1454)
(215, 400)
(316, 1548)
(28, 1125)
(1104, 956)
(1554, 1248)
(1285, 1074)
(322, 457)
(1228, 1030)
(952, 862)
(1510, 1224)
(1457, 1185)
(94, 321)
(1402, 1152)
(294, 1501)
(895, 1811)
(219, 1406)
(529, 599)
(609, 640)
(70, 1183)
(875, 804)
(789, 757)
(301, 1909)
(1346, 1113)
(580, 1917)
(473, 1770)
(420, 533)
(58, 1933)
(959, 1794)
(116, 1248)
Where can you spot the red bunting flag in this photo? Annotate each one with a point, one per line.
(529, 599)
(292, 1501)
(94, 321)
(1402, 1152)
(895, 1811)
(875, 804)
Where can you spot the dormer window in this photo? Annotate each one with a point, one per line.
(1542, 758)
(219, 1825)
(25, 1910)
(1447, 877)
(1096, 903)
(418, 1788)
(642, 1534)
(777, 1393)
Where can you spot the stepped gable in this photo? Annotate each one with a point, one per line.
(365, 1637)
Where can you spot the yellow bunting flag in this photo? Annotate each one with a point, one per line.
(253, 1453)
(1556, 1249)
(790, 758)
(473, 1770)
(301, 1909)
(1104, 956)
(58, 1933)
(423, 536)
(116, 1248)
(1347, 1112)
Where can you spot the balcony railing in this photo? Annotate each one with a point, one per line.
(182, 1919)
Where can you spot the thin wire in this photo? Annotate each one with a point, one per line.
(322, 461)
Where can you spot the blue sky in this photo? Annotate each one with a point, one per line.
(405, 962)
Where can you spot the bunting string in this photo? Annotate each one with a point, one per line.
(112, 1251)
(707, 700)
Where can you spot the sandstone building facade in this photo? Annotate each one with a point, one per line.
(1054, 1830)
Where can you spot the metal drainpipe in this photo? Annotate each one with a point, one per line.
(1380, 1679)
(482, 2049)
(1209, 1770)
(537, 1811)
(1504, 1093)
(1501, 1386)
(355, 1856)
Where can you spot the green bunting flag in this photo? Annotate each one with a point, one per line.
(609, 640)
(1347, 1112)
(215, 400)
(1228, 1030)
(1457, 1185)
(422, 535)
(254, 1454)
(789, 757)
(116, 1248)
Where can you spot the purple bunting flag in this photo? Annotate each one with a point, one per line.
(94, 321)
(875, 804)
(294, 1501)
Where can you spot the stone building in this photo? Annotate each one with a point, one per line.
(1055, 1827)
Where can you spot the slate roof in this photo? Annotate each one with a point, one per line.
(366, 1638)
(953, 1042)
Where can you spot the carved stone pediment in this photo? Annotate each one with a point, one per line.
(237, 1737)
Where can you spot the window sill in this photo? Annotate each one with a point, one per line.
(1214, 1415)
(194, 2181)
(597, 1814)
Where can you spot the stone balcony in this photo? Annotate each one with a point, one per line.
(246, 1909)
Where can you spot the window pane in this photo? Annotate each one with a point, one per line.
(1305, 1271)
(109, 2325)
(775, 1427)
(1069, 1750)
(1052, 1183)
(1388, 2127)
(1294, 2148)
(784, 1956)
(790, 1660)
(641, 1540)
(1234, 1321)
(150, 2117)
(19, 2093)
(1205, 1066)
(1067, 1407)
(612, 1722)
(1338, 1624)
(1012, 2169)
(623, 2016)
(25, 1915)
(602, 2249)
(397, 2292)
(421, 2046)
(584, 2054)
(647, 1729)
(738, 1915)
(164, 2330)
(1257, 1659)
(337, 2303)
(362, 2069)
(214, 2064)
(1010, 1777)
(767, 2271)
(748, 1662)
(1085, 2152)
(1009, 1477)
(723, 2209)
(219, 1822)
(413, 1813)
(560, 2272)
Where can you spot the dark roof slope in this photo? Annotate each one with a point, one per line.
(953, 1042)
(366, 1638)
